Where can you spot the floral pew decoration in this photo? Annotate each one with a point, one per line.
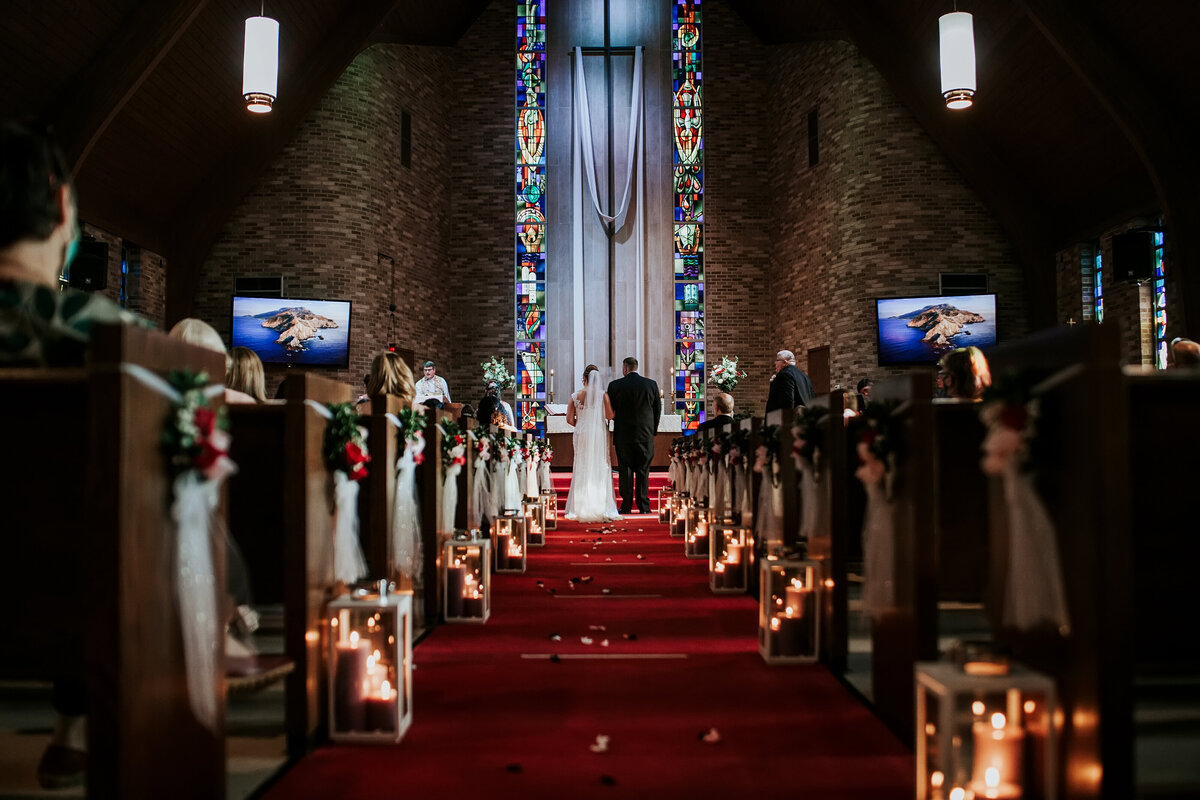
(768, 529)
(879, 448)
(454, 458)
(513, 493)
(739, 448)
(196, 442)
(346, 457)
(477, 504)
(407, 557)
(1034, 595)
(497, 474)
(808, 439)
(676, 471)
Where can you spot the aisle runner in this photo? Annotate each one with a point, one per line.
(506, 710)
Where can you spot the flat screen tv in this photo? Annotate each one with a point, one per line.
(920, 330)
(294, 331)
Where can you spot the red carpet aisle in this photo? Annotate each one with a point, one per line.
(504, 710)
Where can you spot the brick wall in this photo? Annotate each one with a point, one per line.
(337, 198)
(736, 203)
(881, 215)
(149, 298)
(483, 199)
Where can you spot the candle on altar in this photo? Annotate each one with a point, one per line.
(551, 386)
(350, 666)
(997, 759)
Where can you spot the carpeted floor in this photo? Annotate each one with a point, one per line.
(496, 716)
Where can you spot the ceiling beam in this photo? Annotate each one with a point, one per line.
(1163, 141)
(881, 39)
(199, 222)
(94, 97)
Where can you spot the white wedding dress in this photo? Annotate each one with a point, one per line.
(591, 497)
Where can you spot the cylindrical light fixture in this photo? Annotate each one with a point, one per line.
(260, 64)
(957, 37)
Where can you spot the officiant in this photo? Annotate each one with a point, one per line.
(432, 387)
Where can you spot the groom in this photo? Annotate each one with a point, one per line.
(636, 410)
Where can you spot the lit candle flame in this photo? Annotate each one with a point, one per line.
(998, 720)
(958, 793)
(991, 777)
(354, 638)
(977, 708)
(385, 690)
(937, 779)
(1030, 706)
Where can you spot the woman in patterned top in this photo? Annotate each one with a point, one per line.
(41, 323)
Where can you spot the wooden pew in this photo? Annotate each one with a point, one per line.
(385, 443)
(962, 495)
(829, 543)
(429, 489)
(789, 477)
(87, 574)
(281, 516)
(468, 476)
(1083, 478)
(907, 632)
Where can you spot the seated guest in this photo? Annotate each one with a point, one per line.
(723, 405)
(389, 375)
(964, 373)
(493, 410)
(246, 374)
(40, 323)
(864, 393)
(201, 334)
(432, 390)
(1185, 354)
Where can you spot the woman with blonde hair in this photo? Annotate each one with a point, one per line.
(246, 374)
(964, 373)
(390, 375)
(200, 333)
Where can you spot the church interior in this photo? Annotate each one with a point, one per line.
(886, 588)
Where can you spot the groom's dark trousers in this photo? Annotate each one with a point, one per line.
(636, 410)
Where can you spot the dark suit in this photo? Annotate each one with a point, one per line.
(789, 389)
(714, 422)
(636, 410)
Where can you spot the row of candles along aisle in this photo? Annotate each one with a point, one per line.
(985, 729)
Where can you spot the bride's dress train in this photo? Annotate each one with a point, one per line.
(591, 496)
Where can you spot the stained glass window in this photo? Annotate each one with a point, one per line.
(530, 200)
(1160, 304)
(1099, 273)
(688, 180)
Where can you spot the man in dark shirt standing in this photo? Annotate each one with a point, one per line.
(636, 411)
(790, 387)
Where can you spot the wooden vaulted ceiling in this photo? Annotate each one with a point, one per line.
(1086, 114)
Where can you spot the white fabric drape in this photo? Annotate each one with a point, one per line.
(879, 552)
(478, 501)
(769, 525)
(195, 498)
(348, 562)
(406, 511)
(809, 498)
(1035, 593)
(499, 471)
(512, 485)
(584, 167)
(720, 493)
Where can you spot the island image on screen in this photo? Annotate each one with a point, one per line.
(920, 330)
(293, 331)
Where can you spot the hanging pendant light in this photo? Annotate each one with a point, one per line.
(260, 64)
(957, 38)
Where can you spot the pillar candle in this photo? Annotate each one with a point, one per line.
(350, 671)
(456, 576)
(997, 759)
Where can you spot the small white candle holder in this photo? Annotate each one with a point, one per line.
(695, 542)
(508, 534)
(535, 521)
(681, 506)
(665, 497)
(370, 666)
(549, 499)
(729, 558)
(789, 620)
(984, 731)
(466, 579)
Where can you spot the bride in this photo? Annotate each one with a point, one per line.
(591, 497)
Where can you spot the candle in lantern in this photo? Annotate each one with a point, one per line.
(997, 759)
(381, 709)
(456, 576)
(502, 550)
(350, 666)
(797, 596)
(733, 553)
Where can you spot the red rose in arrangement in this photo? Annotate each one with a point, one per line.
(356, 460)
(205, 419)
